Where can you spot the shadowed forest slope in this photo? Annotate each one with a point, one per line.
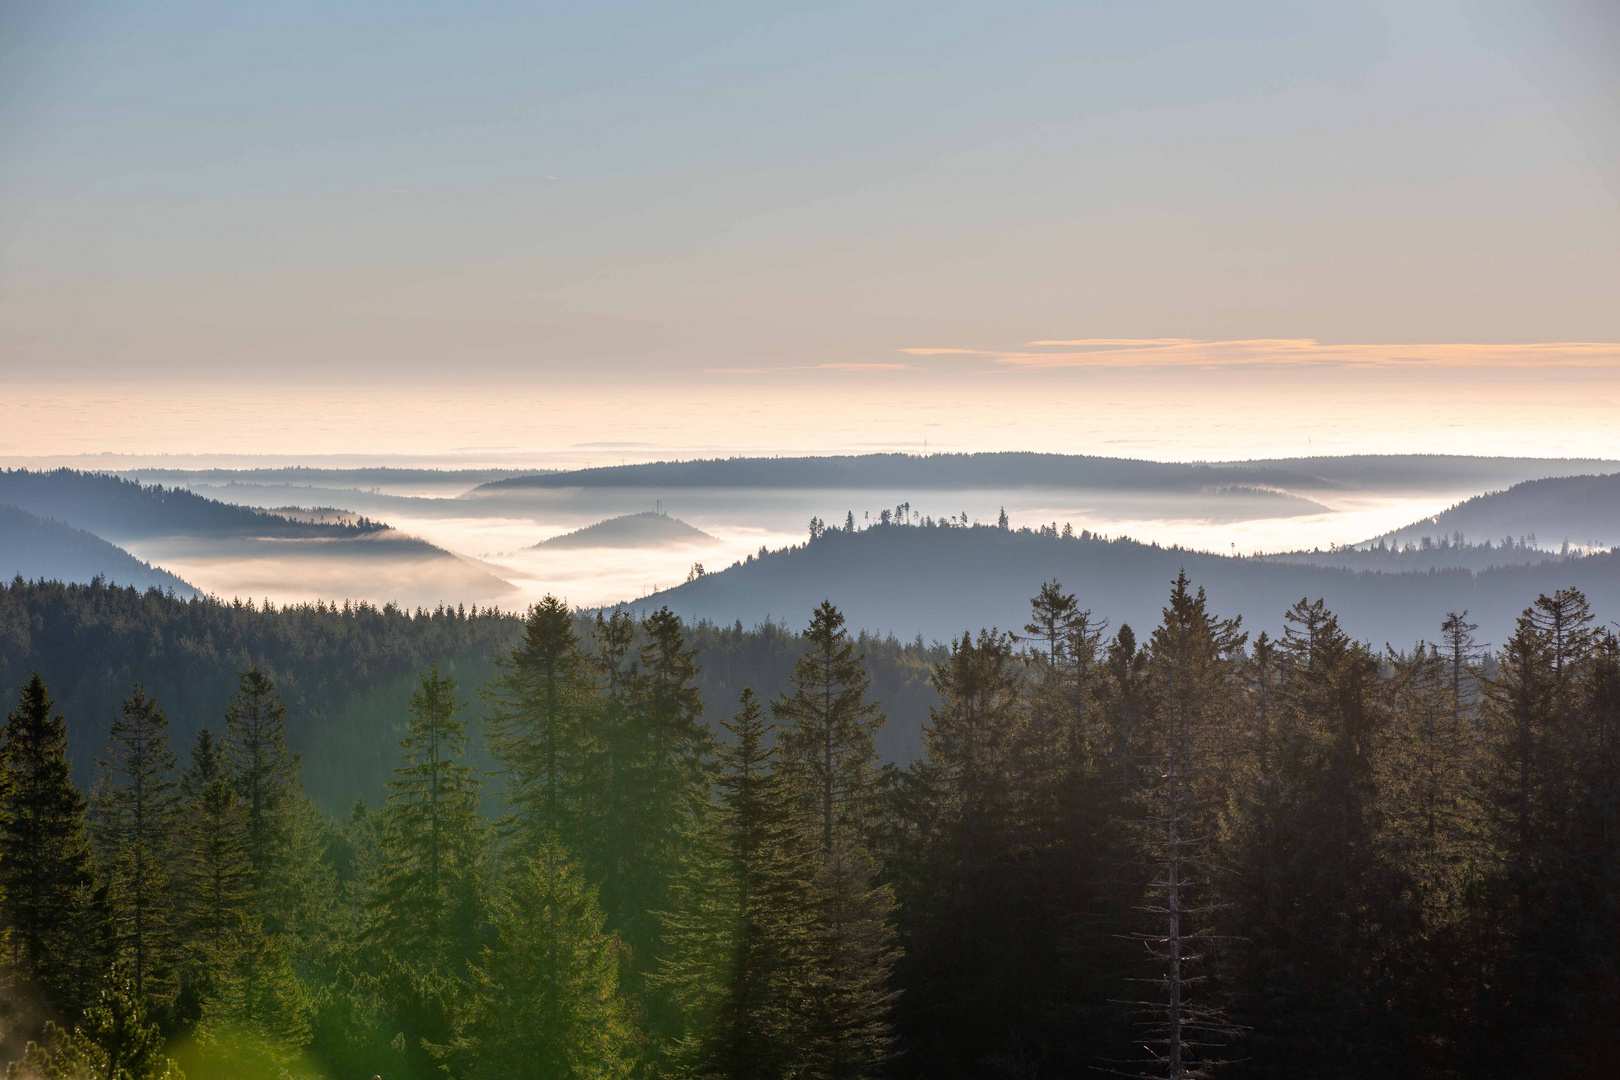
(38, 548)
(1579, 510)
(938, 581)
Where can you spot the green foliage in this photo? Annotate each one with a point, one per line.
(425, 904)
(536, 727)
(117, 1040)
(133, 814)
(44, 851)
(547, 990)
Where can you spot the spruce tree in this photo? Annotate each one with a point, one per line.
(670, 781)
(263, 773)
(214, 874)
(739, 939)
(548, 1003)
(45, 868)
(828, 730)
(133, 815)
(425, 906)
(290, 887)
(828, 756)
(537, 725)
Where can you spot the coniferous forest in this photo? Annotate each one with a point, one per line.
(1171, 850)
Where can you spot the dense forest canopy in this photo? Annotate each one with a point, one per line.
(1169, 849)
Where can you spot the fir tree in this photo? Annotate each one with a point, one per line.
(537, 728)
(425, 905)
(45, 869)
(739, 941)
(548, 1002)
(828, 756)
(214, 872)
(828, 728)
(133, 813)
(263, 774)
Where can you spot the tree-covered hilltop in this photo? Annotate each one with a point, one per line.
(119, 509)
(1557, 511)
(909, 575)
(1178, 849)
(34, 547)
(344, 672)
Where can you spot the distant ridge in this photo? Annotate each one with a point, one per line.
(1005, 470)
(118, 509)
(42, 549)
(650, 528)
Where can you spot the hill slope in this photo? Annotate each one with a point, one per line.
(236, 550)
(644, 530)
(939, 581)
(40, 549)
(118, 509)
(1583, 510)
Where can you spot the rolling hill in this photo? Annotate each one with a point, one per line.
(1006, 470)
(42, 549)
(238, 550)
(648, 529)
(1579, 510)
(940, 581)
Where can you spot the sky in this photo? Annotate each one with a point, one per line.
(548, 233)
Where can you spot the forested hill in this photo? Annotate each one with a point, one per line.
(118, 509)
(940, 580)
(346, 673)
(1580, 510)
(910, 471)
(40, 548)
(1004, 470)
(648, 529)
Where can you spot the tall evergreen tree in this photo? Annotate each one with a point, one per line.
(828, 730)
(537, 724)
(263, 773)
(548, 1002)
(425, 906)
(213, 870)
(739, 939)
(827, 752)
(133, 812)
(45, 869)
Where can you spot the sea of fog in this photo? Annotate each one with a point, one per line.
(498, 532)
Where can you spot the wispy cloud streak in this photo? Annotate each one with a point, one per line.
(1289, 352)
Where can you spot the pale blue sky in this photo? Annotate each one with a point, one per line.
(447, 192)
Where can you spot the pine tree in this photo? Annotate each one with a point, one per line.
(116, 1040)
(425, 906)
(45, 869)
(828, 730)
(263, 773)
(739, 939)
(548, 1002)
(670, 779)
(828, 756)
(290, 887)
(133, 811)
(1193, 659)
(537, 724)
(607, 825)
(214, 873)
(970, 738)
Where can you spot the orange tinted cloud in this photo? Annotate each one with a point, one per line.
(1190, 352)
